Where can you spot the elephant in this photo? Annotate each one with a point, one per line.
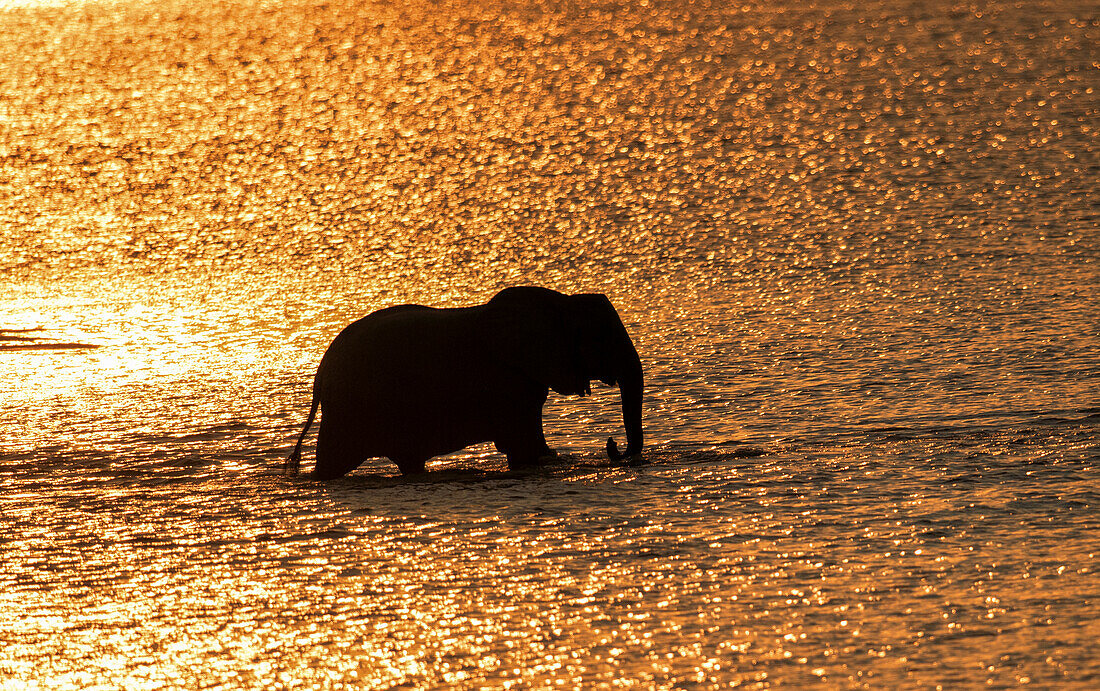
(411, 382)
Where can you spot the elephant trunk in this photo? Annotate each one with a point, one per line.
(630, 392)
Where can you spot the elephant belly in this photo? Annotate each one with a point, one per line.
(423, 432)
(407, 418)
(418, 383)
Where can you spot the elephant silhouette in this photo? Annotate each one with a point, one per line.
(412, 382)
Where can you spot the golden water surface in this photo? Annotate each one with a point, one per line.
(856, 243)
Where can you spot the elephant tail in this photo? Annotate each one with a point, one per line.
(295, 458)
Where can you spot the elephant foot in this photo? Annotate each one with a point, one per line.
(524, 462)
(548, 456)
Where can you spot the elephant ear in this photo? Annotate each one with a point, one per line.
(600, 335)
(531, 330)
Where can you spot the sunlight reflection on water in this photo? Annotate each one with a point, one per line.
(855, 245)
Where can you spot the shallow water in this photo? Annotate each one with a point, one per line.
(856, 245)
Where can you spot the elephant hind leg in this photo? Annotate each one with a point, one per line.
(339, 448)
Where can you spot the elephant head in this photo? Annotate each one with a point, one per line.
(565, 341)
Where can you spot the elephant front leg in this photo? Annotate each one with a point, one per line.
(545, 452)
(522, 440)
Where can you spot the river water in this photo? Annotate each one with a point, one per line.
(857, 245)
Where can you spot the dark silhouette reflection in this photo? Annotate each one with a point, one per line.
(477, 470)
(17, 339)
(441, 476)
(413, 382)
(478, 487)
